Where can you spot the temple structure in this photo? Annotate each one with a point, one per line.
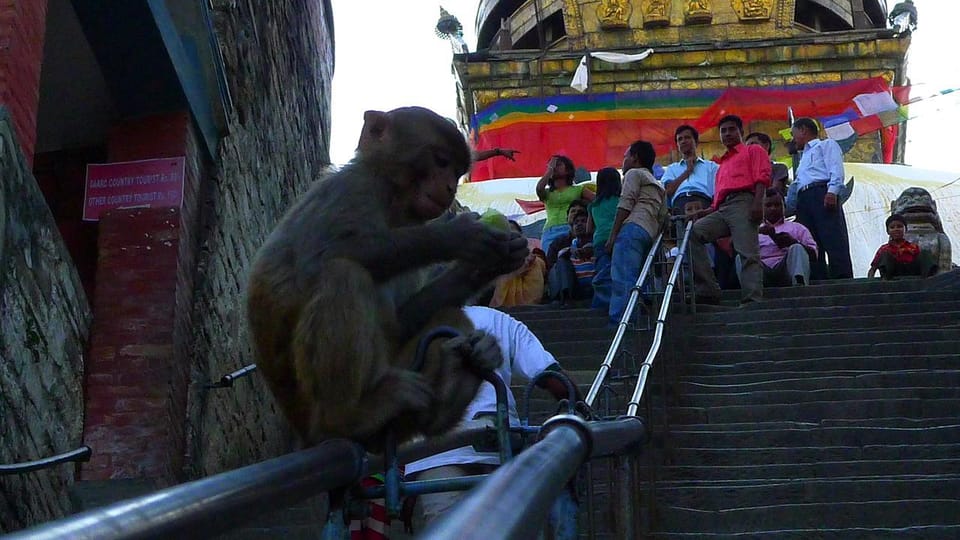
(652, 65)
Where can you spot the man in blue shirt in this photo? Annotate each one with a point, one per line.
(691, 178)
(819, 180)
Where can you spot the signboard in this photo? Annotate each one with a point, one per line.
(149, 183)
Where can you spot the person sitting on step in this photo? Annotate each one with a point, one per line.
(899, 256)
(570, 262)
(786, 247)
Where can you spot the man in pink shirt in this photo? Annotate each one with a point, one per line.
(737, 211)
(786, 247)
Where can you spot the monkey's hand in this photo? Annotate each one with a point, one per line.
(469, 240)
(477, 350)
(514, 258)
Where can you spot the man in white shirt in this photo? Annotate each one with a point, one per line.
(819, 182)
(524, 356)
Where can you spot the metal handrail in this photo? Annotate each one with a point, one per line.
(213, 505)
(227, 380)
(519, 495)
(634, 404)
(622, 326)
(80, 454)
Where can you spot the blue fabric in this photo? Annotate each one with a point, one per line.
(629, 251)
(551, 234)
(601, 279)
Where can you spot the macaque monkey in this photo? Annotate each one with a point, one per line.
(339, 294)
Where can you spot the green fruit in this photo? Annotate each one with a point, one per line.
(495, 219)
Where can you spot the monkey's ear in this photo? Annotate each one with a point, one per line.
(375, 124)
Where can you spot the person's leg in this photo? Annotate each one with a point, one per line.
(807, 206)
(550, 235)
(601, 279)
(434, 505)
(629, 251)
(776, 276)
(736, 212)
(797, 264)
(706, 229)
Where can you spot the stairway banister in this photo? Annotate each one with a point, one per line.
(80, 454)
(622, 326)
(519, 495)
(206, 507)
(634, 405)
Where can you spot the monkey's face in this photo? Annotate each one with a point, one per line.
(437, 188)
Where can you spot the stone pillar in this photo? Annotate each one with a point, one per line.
(138, 367)
(22, 29)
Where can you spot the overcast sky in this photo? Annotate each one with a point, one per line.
(388, 56)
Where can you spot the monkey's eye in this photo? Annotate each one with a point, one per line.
(441, 161)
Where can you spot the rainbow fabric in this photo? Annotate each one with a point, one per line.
(595, 129)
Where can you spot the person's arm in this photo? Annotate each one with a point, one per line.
(556, 388)
(542, 192)
(591, 226)
(832, 157)
(588, 195)
(480, 155)
(673, 183)
(872, 273)
(807, 241)
(761, 176)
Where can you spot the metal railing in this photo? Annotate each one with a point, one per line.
(534, 479)
(634, 403)
(81, 454)
(623, 324)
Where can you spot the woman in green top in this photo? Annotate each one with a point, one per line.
(602, 211)
(557, 191)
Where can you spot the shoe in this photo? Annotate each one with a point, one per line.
(799, 281)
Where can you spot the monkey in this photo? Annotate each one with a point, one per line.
(339, 294)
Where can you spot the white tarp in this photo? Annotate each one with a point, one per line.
(868, 207)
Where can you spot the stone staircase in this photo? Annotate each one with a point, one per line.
(829, 411)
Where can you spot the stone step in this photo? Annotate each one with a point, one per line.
(815, 381)
(841, 300)
(907, 359)
(917, 337)
(797, 455)
(705, 436)
(909, 305)
(691, 419)
(921, 532)
(838, 286)
(813, 516)
(699, 475)
(712, 494)
(840, 396)
(818, 349)
(800, 323)
(815, 411)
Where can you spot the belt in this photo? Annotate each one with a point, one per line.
(811, 185)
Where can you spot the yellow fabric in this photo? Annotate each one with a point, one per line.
(523, 287)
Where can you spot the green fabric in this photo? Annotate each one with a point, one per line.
(557, 203)
(603, 214)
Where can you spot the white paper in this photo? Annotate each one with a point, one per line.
(870, 104)
(620, 58)
(581, 79)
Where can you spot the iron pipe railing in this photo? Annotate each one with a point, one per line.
(519, 495)
(227, 380)
(634, 404)
(210, 506)
(78, 455)
(622, 326)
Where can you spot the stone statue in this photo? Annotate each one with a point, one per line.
(752, 10)
(924, 227)
(614, 13)
(697, 12)
(656, 13)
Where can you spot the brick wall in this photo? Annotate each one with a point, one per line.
(22, 29)
(140, 345)
(279, 63)
(44, 320)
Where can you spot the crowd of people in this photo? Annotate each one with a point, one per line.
(594, 241)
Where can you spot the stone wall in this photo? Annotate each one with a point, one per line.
(44, 321)
(279, 64)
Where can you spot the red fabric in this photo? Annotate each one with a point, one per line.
(590, 144)
(531, 207)
(901, 94)
(768, 104)
(741, 168)
(903, 252)
(371, 526)
(867, 124)
(889, 138)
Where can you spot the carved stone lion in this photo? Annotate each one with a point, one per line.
(924, 227)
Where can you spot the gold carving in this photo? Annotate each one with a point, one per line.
(753, 10)
(614, 13)
(697, 12)
(656, 13)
